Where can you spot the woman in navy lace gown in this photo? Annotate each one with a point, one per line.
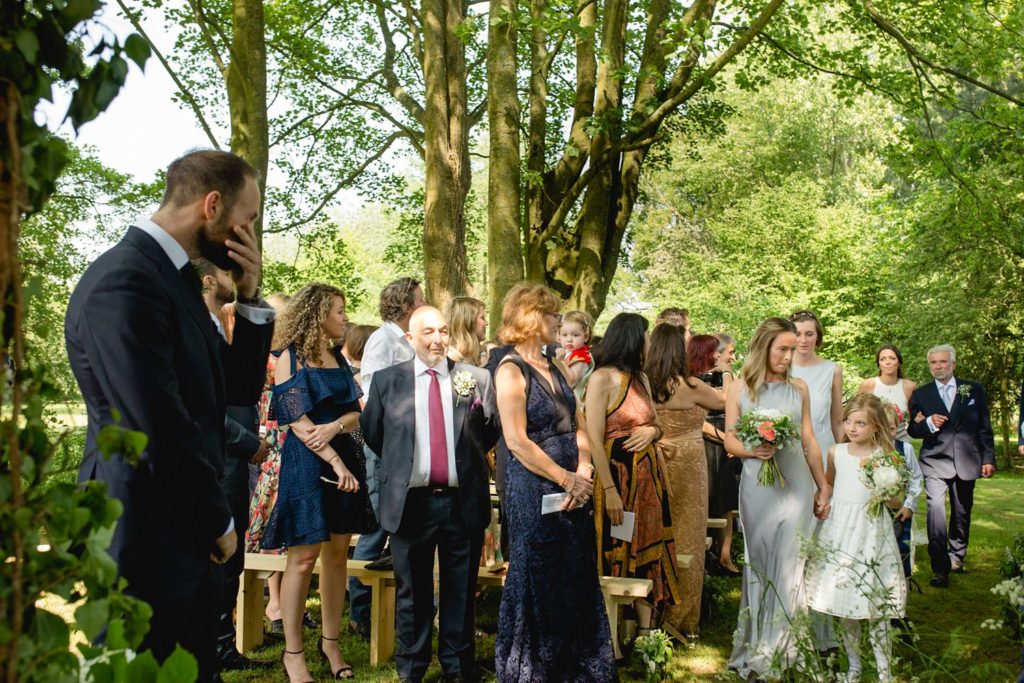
(552, 625)
(321, 497)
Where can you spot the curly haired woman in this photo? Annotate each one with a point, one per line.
(322, 496)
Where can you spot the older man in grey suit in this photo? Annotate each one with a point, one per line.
(432, 421)
(951, 416)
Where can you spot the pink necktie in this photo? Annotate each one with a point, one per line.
(438, 443)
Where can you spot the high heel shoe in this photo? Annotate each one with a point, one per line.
(289, 652)
(342, 674)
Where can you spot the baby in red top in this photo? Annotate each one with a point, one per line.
(574, 336)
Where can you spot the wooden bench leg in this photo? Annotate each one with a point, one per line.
(249, 619)
(377, 623)
(612, 608)
(387, 630)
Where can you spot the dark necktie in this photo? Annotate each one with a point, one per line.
(438, 442)
(188, 272)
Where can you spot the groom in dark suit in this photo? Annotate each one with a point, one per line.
(431, 421)
(141, 344)
(951, 416)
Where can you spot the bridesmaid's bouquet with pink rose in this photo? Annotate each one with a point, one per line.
(772, 428)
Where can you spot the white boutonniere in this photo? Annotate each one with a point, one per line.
(964, 390)
(464, 385)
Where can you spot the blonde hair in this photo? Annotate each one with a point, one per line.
(279, 302)
(523, 311)
(462, 313)
(755, 367)
(878, 419)
(302, 324)
(581, 318)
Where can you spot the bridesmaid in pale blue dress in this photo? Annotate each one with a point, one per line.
(775, 519)
(824, 380)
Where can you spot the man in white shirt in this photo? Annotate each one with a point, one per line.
(432, 421)
(386, 347)
(951, 417)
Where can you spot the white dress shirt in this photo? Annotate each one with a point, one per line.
(916, 476)
(258, 315)
(387, 346)
(421, 453)
(950, 397)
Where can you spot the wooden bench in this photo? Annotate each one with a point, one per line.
(250, 608)
(258, 566)
(717, 523)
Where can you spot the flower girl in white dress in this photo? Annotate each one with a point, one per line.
(855, 573)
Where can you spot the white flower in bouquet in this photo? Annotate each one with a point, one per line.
(886, 476)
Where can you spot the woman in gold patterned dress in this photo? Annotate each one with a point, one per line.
(682, 402)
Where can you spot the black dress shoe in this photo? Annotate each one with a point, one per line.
(381, 564)
(956, 566)
(234, 661)
(460, 678)
(360, 629)
(939, 581)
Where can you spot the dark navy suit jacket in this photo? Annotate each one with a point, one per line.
(964, 443)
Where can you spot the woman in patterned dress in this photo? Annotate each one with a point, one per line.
(622, 425)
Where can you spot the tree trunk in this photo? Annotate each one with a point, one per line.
(504, 256)
(446, 152)
(247, 91)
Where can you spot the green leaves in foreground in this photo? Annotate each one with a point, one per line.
(57, 537)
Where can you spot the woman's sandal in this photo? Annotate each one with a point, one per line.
(289, 652)
(345, 672)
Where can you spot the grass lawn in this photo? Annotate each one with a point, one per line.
(952, 646)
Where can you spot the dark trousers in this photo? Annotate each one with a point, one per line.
(186, 612)
(945, 544)
(434, 522)
(236, 487)
(368, 547)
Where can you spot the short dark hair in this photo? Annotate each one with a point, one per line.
(198, 173)
(623, 345)
(204, 267)
(673, 312)
(397, 298)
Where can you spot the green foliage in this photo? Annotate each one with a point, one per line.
(90, 206)
(813, 197)
(62, 531)
(323, 257)
(654, 652)
(42, 50)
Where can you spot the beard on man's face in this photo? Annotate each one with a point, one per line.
(210, 242)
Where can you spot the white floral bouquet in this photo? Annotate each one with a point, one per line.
(773, 428)
(886, 475)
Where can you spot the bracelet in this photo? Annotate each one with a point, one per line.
(336, 457)
(571, 478)
(341, 427)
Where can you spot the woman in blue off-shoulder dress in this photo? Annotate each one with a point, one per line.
(322, 495)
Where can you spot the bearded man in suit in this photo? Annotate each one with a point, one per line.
(147, 355)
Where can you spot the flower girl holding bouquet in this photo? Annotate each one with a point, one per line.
(855, 573)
